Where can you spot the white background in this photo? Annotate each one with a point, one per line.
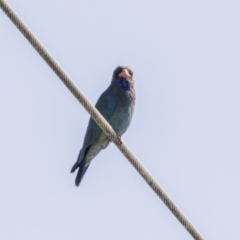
(186, 127)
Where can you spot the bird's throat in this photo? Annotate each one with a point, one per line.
(124, 84)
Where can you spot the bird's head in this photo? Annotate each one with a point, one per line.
(123, 77)
(123, 72)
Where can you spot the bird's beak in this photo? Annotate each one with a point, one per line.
(124, 73)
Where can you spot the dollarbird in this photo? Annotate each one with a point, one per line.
(116, 104)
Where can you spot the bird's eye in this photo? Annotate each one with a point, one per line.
(118, 71)
(130, 72)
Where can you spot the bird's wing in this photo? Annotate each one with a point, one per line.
(105, 105)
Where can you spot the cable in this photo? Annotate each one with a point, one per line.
(99, 119)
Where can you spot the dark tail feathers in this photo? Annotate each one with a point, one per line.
(81, 171)
(81, 166)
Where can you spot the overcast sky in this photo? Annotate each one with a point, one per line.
(186, 128)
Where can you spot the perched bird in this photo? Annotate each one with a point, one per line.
(116, 105)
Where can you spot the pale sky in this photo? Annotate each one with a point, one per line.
(186, 128)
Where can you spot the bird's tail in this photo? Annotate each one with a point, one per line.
(82, 168)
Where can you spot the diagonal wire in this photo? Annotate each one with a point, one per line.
(99, 120)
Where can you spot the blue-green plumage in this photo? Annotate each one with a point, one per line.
(116, 105)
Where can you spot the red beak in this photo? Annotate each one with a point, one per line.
(124, 73)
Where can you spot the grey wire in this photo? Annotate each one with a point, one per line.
(99, 119)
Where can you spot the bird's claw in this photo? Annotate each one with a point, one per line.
(119, 139)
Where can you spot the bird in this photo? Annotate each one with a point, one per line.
(116, 104)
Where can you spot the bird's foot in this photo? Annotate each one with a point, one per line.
(119, 139)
